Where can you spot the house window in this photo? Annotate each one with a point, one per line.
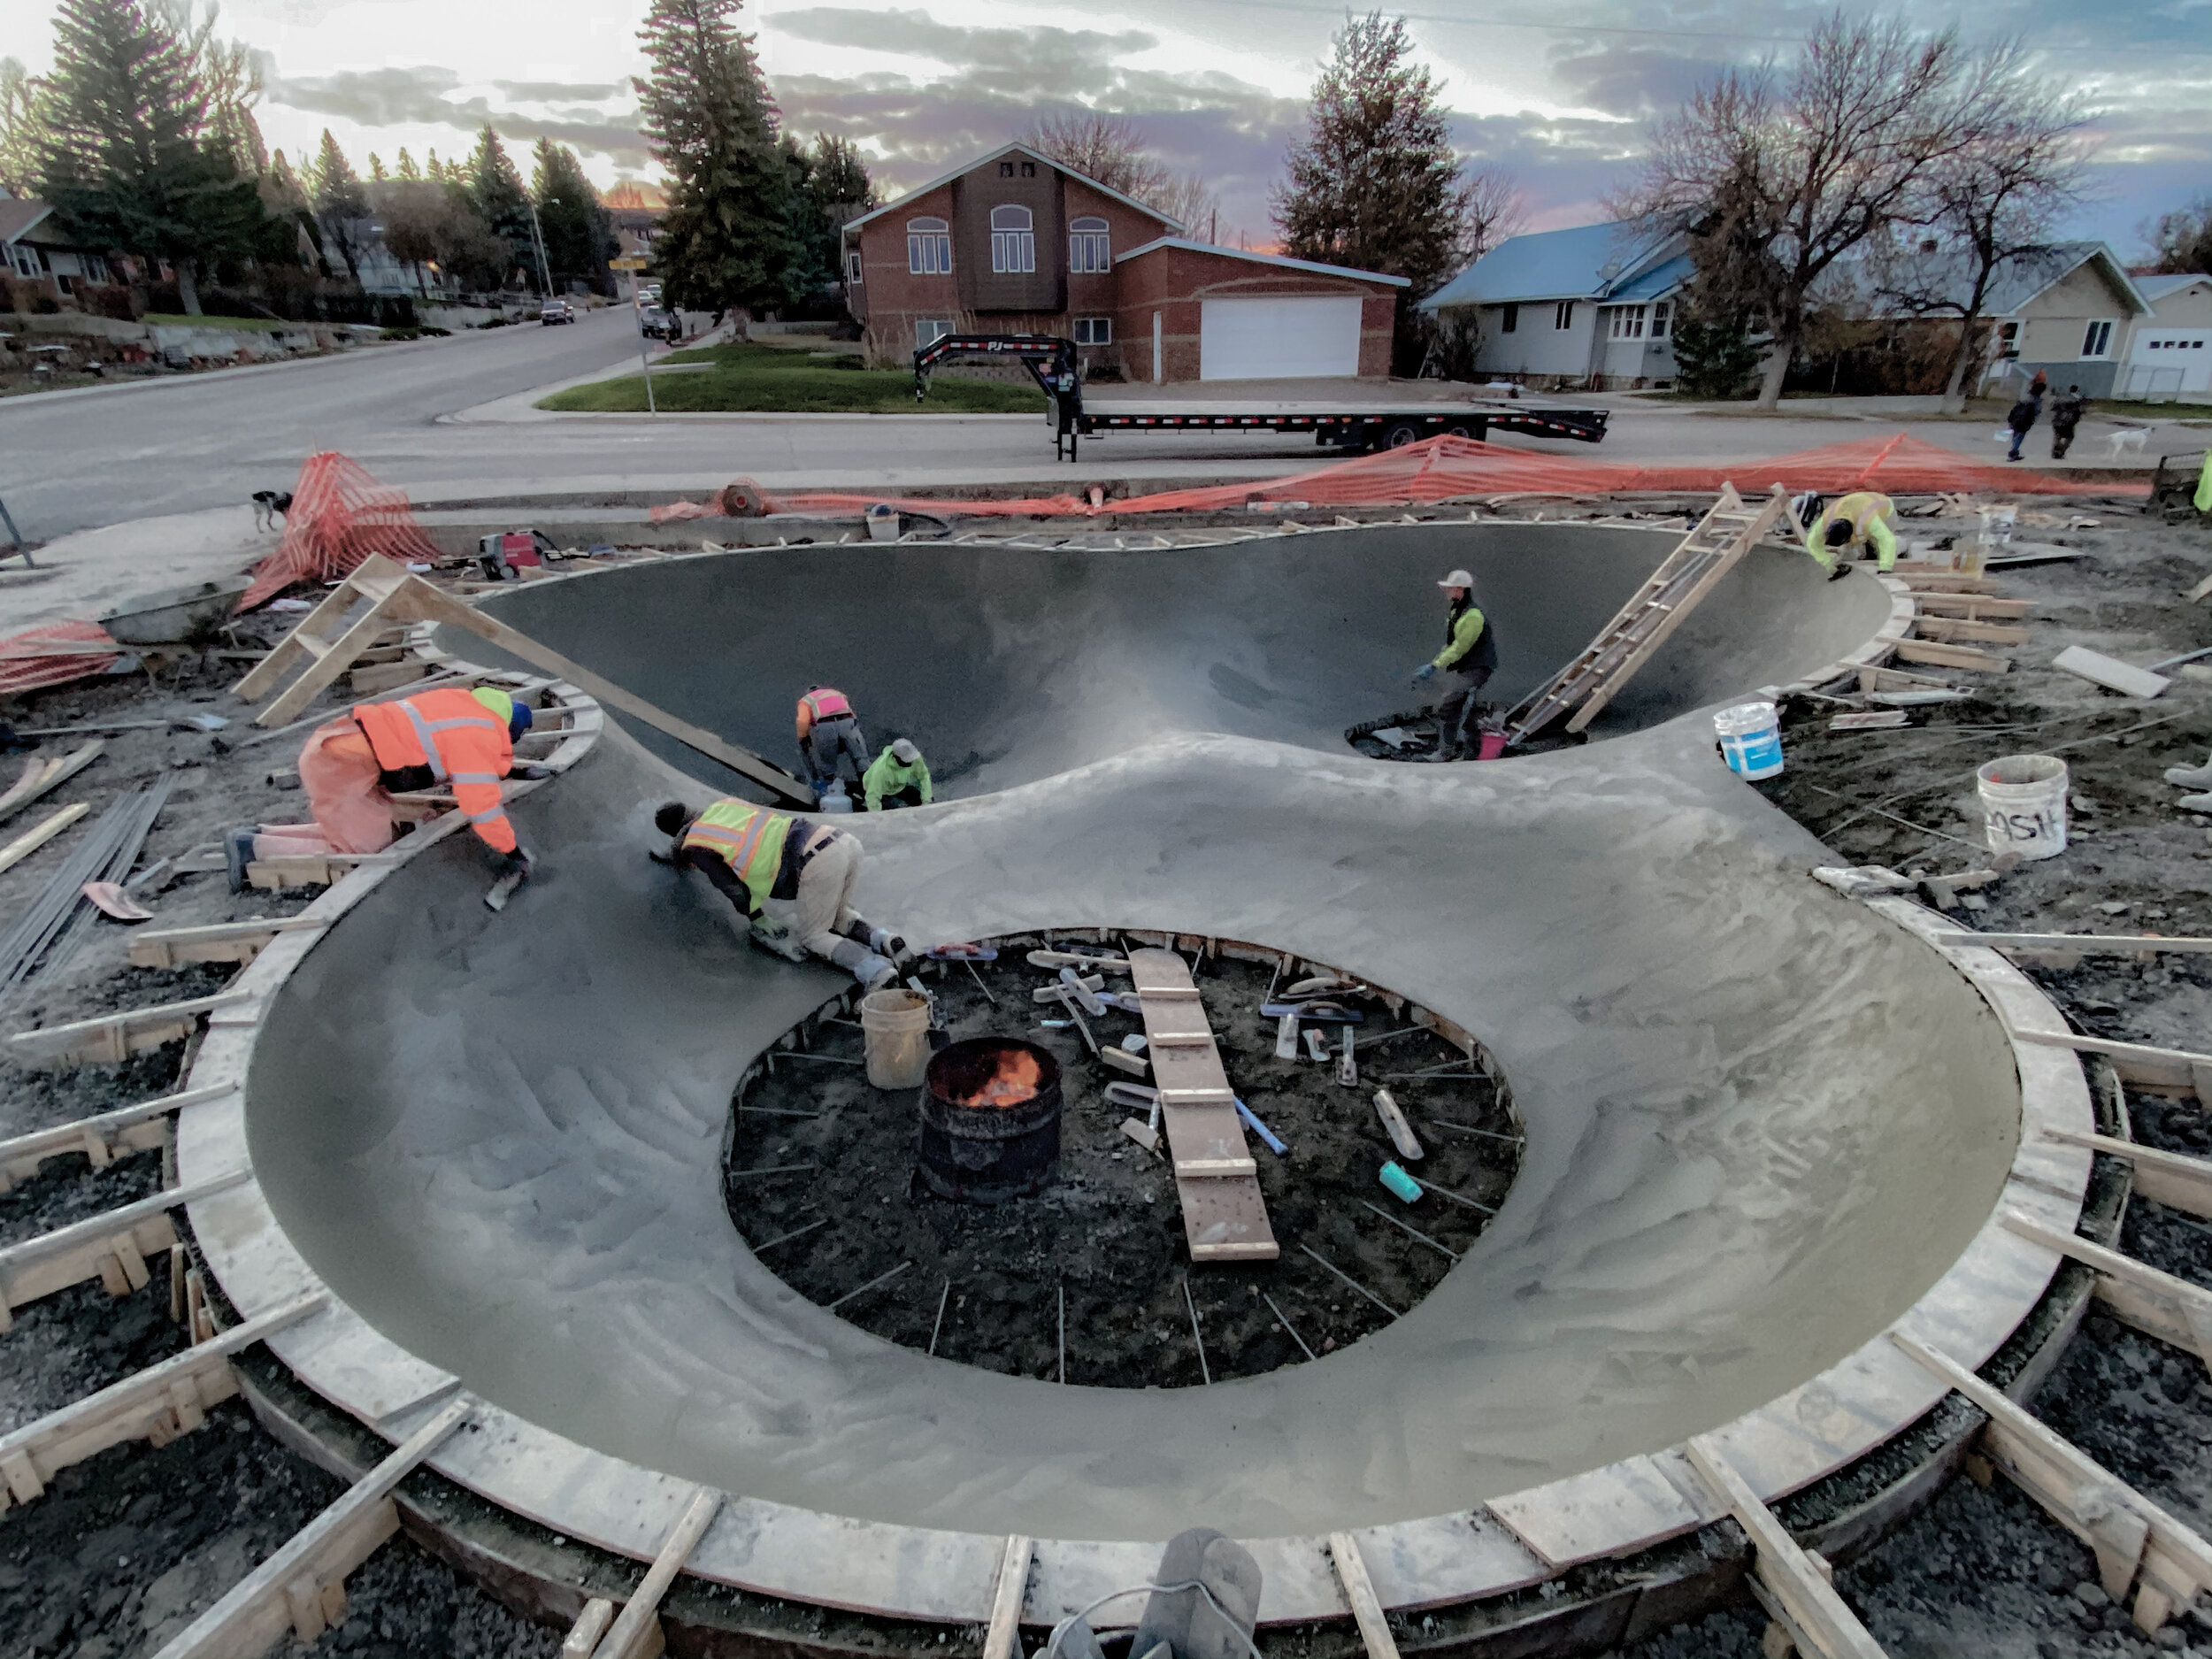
(1013, 242)
(1509, 318)
(1094, 331)
(1562, 314)
(929, 330)
(852, 264)
(1029, 170)
(1660, 312)
(2008, 339)
(1090, 246)
(2096, 339)
(928, 247)
(1006, 170)
(1626, 322)
(26, 260)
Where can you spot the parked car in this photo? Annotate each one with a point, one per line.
(657, 324)
(557, 311)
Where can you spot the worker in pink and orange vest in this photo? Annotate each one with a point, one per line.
(829, 732)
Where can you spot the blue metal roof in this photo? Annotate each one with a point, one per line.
(1588, 262)
(1654, 284)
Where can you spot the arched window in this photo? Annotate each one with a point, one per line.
(1090, 246)
(928, 247)
(1013, 241)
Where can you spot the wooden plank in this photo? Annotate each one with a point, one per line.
(1796, 1591)
(104, 1247)
(305, 870)
(258, 1611)
(24, 844)
(1939, 579)
(1002, 1637)
(1972, 605)
(635, 1632)
(127, 1128)
(591, 1625)
(373, 577)
(1359, 1591)
(2079, 944)
(2156, 1303)
(1951, 657)
(159, 1402)
(114, 1037)
(1936, 628)
(2110, 673)
(50, 776)
(331, 660)
(2140, 1065)
(2172, 1563)
(221, 941)
(2165, 1177)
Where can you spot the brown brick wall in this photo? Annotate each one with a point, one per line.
(1174, 280)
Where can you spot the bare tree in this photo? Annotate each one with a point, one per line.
(1112, 150)
(22, 128)
(2181, 241)
(1793, 171)
(1495, 211)
(1993, 201)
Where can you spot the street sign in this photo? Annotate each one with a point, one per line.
(628, 262)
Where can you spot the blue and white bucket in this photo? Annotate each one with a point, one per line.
(1750, 739)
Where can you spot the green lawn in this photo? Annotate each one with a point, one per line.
(767, 378)
(256, 325)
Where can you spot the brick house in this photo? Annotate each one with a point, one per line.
(1017, 244)
(41, 271)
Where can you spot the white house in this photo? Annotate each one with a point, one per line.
(2170, 354)
(2068, 310)
(1593, 306)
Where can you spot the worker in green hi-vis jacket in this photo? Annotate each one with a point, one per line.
(899, 777)
(1470, 656)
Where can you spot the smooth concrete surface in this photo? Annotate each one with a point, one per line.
(1760, 1121)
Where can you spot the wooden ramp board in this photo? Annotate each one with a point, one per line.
(1224, 1217)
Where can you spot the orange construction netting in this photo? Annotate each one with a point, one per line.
(23, 668)
(1458, 469)
(339, 515)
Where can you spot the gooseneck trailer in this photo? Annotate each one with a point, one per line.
(1052, 363)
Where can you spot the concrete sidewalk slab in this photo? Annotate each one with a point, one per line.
(80, 576)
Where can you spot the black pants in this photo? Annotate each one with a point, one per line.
(2062, 441)
(912, 795)
(1455, 715)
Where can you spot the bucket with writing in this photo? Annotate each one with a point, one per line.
(1750, 739)
(896, 1027)
(2023, 804)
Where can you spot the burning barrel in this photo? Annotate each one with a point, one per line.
(990, 1127)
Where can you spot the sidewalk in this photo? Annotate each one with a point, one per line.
(80, 576)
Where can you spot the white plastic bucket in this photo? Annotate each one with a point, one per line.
(897, 1024)
(883, 522)
(1750, 739)
(2023, 804)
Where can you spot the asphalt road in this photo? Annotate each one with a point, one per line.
(416, 415)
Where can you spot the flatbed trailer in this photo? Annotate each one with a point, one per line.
(1052, 363)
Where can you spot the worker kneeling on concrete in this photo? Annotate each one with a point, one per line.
(1470, 656)
(792, 881)
(352, 767)
(829, 735)
(899, 777)
(1863, 518)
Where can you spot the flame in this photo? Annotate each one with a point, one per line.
(1018, 1079)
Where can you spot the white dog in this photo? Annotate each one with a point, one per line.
(2131, 439)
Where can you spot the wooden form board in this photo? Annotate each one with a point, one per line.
(158, 1404)
(325, 644)
(2159, 1304)
(223, 942)
(112, 1248)
(101, 1139)
(1946, 656)
(1359, 1594)
(2140, 1065)
(2135, 1541)
(300, 1589)
(2172, 1179)
(113, 1038)
(304, 870)
(41, 777)
(1224, 1217)
(635, 1632)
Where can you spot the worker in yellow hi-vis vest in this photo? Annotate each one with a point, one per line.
(792, 881)
(1866, 518)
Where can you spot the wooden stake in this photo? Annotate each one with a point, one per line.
(24, 844)
(628, 1637)
(1359, 1591)
(1002, 1637)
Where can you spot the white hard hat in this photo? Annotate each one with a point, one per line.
(905, 750)
(1457, 579)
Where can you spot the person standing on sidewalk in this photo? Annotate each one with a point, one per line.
(2066, 413)
(2024, 414)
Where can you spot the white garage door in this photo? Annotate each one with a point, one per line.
(1278, 339)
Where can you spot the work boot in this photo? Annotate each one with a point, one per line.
(1443, 754)
(872, 971)
(2195, 803)
(2190, 777)
(237, 854)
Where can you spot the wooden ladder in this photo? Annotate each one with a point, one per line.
(1684, 578)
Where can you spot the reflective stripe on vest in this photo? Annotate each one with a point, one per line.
(749, 839)
(828, 704)
(426, 734)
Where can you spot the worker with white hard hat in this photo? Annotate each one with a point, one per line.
(1470, 656)
(1833, 530)
(899, 777)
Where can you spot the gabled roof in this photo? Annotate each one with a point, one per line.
(1282, 261)
(1000, 153)
(1587, 262)
(19, 215)
(2156, 288)
(2015, 282)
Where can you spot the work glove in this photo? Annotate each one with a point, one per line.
(529, 771)
(1425, 673)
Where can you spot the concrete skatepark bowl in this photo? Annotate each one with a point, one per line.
(1766, 1122)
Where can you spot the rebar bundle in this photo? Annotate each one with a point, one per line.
(53, 925)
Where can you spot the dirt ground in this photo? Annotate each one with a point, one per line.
(1109, 1232)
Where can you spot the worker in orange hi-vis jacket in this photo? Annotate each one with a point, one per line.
(352, 767)
(829, 734)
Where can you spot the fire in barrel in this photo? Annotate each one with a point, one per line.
(990, 1120)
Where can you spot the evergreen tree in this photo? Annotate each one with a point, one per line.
(377, 175)
(577, 229)
(1375, 182)
(20, 129)
(725, 240)
(496, 189)
(342, 204)
(290, 233)
(409, 173)
(127, 158)
(1714, 353)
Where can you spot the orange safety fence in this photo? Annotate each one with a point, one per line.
(24, 666)
(340, 514)
(1460, 469)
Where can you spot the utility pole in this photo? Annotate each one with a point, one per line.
(537, 233)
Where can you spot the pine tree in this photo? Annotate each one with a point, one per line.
(22, 128)
(342, 204)
(725, 240)
(126, 158)
(577, 229)
(1375, 183)
(408, 172)
(1714, 355)
(495, 188)
(377, 175)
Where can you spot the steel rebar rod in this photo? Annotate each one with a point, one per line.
(1457, 1198)
(1283, 1319)
(1205, 1372)
(938, 1324)
(880, 1279)
(786, 1238)
(1404, 1227)
(1349, 1279)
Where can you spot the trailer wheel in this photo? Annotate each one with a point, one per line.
(1458, 429)
(1401, 434)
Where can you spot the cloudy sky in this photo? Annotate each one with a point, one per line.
(1557, 92)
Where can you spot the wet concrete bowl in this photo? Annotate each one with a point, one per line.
(1767, 1122)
